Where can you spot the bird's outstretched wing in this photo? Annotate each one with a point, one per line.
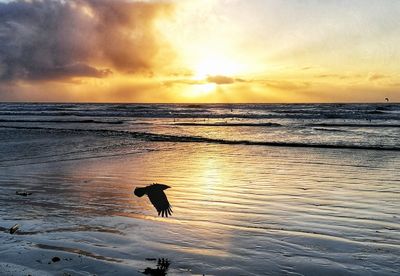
(160, 202)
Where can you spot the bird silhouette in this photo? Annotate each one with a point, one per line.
(386, 99)
(157, 197)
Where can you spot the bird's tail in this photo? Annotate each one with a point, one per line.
(140, 192)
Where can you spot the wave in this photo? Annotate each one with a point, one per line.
(329, 129)
(353, 125)
(194, 106)
(219, 111)
(153, 137)
(89, 121)
(376, 112)
(230, 124)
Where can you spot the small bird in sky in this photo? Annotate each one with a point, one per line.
(386, 99)
(157, 197)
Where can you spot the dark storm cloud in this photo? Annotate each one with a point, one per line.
(50, 39)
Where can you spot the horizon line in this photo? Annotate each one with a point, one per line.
(191, 103)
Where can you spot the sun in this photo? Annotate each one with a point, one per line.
(215, 65)
(209, 65)
(202, 89)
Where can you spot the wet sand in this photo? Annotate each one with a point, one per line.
(238, 210)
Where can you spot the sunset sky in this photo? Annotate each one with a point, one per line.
(200, 51)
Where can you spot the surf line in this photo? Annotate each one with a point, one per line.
(152, 137)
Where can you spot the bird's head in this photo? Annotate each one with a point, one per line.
(140, 192)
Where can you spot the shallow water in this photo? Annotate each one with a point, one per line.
(375, 126)
(238, 209)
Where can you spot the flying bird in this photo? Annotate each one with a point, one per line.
(386, 99)
(158, 198)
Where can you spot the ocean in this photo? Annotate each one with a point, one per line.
(256, 189)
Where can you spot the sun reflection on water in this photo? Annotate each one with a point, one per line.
(228, 201)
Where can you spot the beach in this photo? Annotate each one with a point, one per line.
(255, 190)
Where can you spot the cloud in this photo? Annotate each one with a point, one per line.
(54, 39)
(220, 79)
(376, 76)
(370, 77)
(184, 81)
(287, 85)
(217, 79)
(339, 76)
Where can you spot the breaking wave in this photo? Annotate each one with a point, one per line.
(153, 137)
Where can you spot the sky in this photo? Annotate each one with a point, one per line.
(261, 51)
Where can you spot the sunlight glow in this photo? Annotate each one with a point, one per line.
(212, 65)
(202, 89)
(202, 51)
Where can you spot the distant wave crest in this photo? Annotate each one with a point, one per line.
(230, 124)
(153, 137)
